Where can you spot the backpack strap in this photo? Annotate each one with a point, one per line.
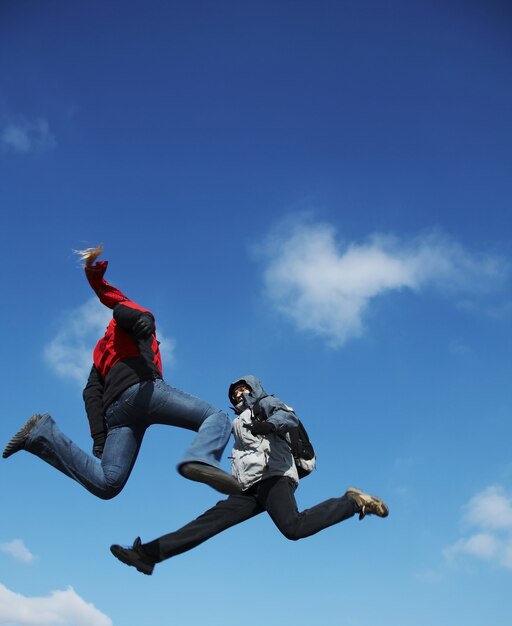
(297, 438)
(257, 412)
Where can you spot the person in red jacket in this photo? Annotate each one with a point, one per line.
(125, 393)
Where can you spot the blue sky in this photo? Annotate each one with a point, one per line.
(314, 192)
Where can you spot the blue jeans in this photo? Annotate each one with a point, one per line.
(139, 406)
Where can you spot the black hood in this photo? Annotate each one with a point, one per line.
(257, 391)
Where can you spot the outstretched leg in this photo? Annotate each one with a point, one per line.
(104, 479)
(277, 495)
(223, 515)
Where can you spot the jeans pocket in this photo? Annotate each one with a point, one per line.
(111, 408)
(111, 412)
(129, 396)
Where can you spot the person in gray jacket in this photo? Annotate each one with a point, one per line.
(263, 464)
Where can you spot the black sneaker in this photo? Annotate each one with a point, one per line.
(17, 442)
(134, 556)
(368, 505)
(216, 478)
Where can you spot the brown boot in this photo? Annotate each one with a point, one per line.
(368, 505)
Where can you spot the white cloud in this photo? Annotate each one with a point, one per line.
(326, 286)
(167, 346)
(60, 608)
(506, 554)
(481, 545)
(69, 353)
(490, 511)
(17, 549)
(26, 136)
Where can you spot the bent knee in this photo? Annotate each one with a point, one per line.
(111, 488)
(108, 494)
(291, 534)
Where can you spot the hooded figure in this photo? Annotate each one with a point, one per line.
(261, 450)
(263, 463)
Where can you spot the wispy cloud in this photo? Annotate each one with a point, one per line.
(60, 607)
(490, 513)
(167, 346)
(326, 285)
(491, 509)
(17, 549)
(25, 136)
(69, 353)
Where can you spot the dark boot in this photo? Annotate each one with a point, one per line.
(134, 556)
(216, 478)
(17, 442)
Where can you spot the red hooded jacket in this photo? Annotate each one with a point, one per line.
(121, 358)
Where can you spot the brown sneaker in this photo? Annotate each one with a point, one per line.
(368, 505)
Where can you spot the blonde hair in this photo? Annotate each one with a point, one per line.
(89, 255)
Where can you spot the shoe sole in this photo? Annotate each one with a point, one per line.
(140, 566)
(215, 478)
(17, 441)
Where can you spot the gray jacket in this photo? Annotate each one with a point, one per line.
(257, 457)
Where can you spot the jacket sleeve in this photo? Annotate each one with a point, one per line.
(140, 325)
(93, 399)
(279, 414)
(126, 316)
(108, 294)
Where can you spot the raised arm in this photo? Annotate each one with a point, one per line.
(107, 293)
(278, 416)
(95, 273)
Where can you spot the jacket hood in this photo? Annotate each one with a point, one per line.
(253, 383)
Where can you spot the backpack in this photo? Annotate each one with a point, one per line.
(298, 440)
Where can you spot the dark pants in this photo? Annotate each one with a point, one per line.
(274, 495)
